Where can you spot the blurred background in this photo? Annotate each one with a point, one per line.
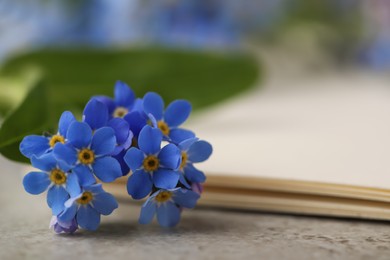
(206, 51)
(349, 30)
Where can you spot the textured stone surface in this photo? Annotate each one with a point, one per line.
(202, 234)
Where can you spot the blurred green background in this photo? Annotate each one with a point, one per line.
(60, 80)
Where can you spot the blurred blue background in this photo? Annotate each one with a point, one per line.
(362, 27)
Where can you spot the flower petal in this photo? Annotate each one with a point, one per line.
(65, 153)
(129, 141)
(88, 218)
(186, 198)
(46, 162)
(139, 185)
(183, 181)
(177, 112)
(168, 215)
(165, 179)
(95, 188)
(36, 182)
(34, 145)
(178, 135)
(104, 203)
(79, 135)
(134, 158)
(69, 213)
(197, 187)
(138, 105)
(200, 151)
(124, 136)
(124, 95)
(107, 169)
(72, 184)
(147, 212)
(124, 167)
(60, 226)
(186, 144)
(154, 104)
(63, 166)
(95, 114)
(109, 102)
(136, 121)
(67, 118)
(84, 175)
(194, 175)
(149, 140)
(56, 198)
(121, 129)
(170, 157)
(103, 141)
(152, 121)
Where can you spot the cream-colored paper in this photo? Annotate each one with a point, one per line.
(332, 129)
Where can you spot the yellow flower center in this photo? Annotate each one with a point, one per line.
(163, 127)
(151, 163)
(56, 139)
(184, 158)
(57, 176)
(85, 198)
(120, 112)
(163, 196)
(86, 156)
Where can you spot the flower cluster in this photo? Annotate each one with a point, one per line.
(116, 137)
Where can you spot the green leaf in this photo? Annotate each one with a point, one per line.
(73, 76)
(29, 118)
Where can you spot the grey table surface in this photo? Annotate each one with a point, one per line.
(202, 234)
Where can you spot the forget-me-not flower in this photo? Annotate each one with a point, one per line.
(96, 116)
(152, 165)
(53, 176)
(87, 206)
(124, 101)
(167, 205)
(63, 226)
(197, 187)
(136, 120)
(38, 145)
(124, 136)
(89, 153)
(118, 136)
(168, 121)
(193, 151)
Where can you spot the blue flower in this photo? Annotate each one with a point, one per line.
(38, 145)
(167, 204)
(197, 187)
(124, 136)
(89, 153)
(124, 101)
(54, 177)
(193, 151)
(168, 121)
(63, 226)
(87, 206)
(136, 120)
(152, 165)
(96, 116)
